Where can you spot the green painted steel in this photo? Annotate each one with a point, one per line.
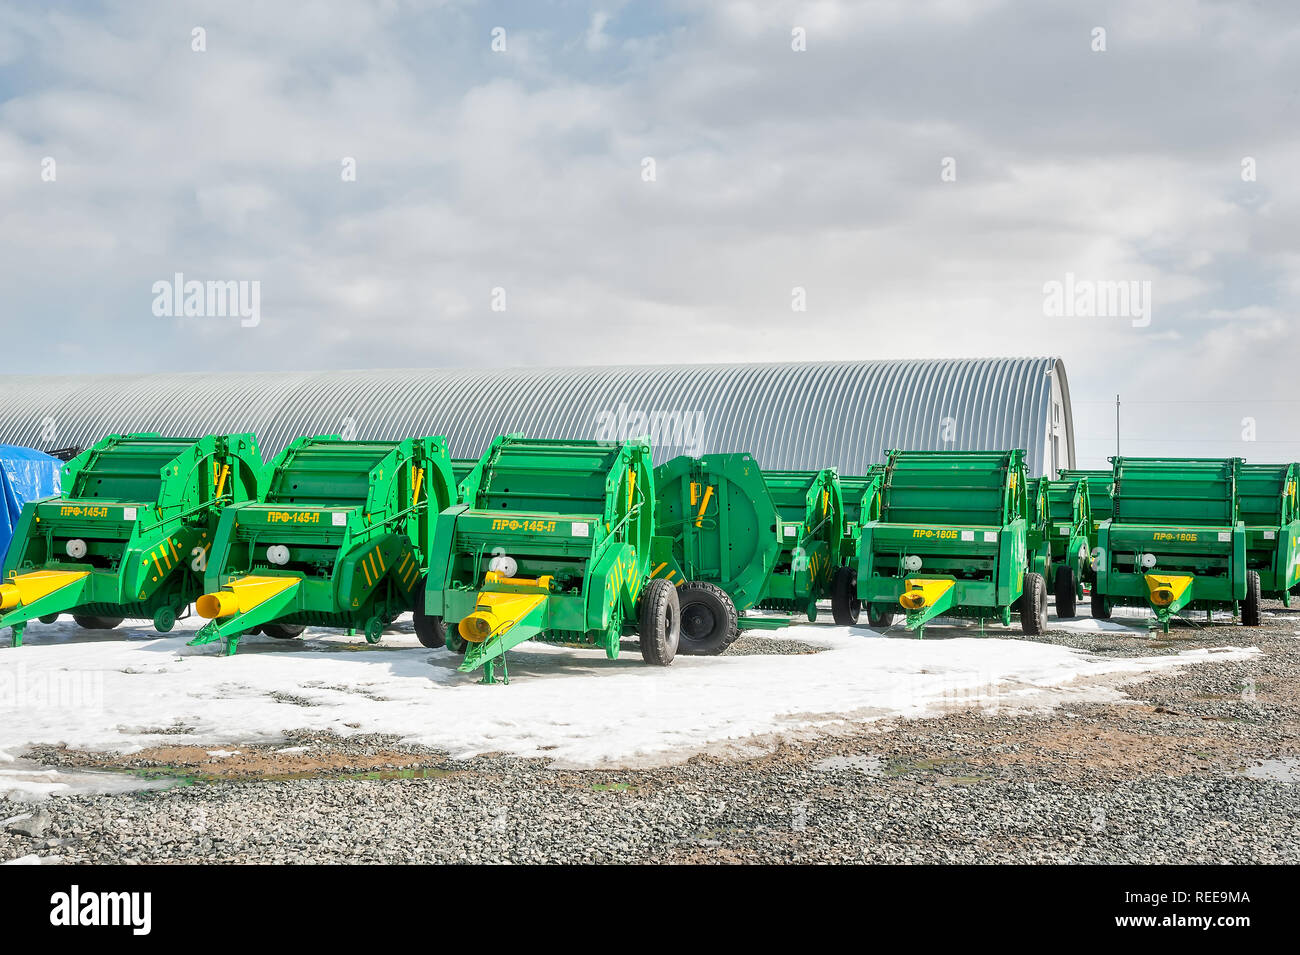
(1069, 530)
(461, 469)
(1099, 496)
(1269, 507)
(861, 493)
(1174, 540)
(1037, 543)
(716, 523)
(952, 538)
(809, 529)
(335, 540)
(550, 542)
(129, 535)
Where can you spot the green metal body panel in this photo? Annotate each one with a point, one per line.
(861, 493)
(809, 529)
(581, 513)
(353, 516)
(1099, 496)
(715, 522)
(146, 508)
(461, 468)
(962, 515)
(1069, 526)
(1183, 512)
(1267, 504)
(1037, 543)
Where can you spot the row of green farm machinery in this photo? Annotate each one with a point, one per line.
(583, 543)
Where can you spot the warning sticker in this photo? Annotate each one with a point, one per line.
(990, 537)
(968, 535)
(1225, 536)
(580, 529)
(339, 519)
(128, 513)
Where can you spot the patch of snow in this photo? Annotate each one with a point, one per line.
(130, 689)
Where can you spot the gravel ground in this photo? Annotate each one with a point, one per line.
(1201, 765)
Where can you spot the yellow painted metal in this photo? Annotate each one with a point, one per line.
(242, 595)
(496, 613)
(919, 594)
(26, 588)
(1166, 588)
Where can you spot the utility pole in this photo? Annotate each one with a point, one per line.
(1117, 426)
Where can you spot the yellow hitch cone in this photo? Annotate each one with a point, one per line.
(1167, 588)
(242, 595)
(496, 612)
(919, 594)
(27, 588)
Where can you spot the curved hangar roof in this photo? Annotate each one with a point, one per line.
(789, 415)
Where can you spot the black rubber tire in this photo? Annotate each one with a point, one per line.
(879, 619)
(430, 631)
(1033, 605)
(49, 618)
(87, 622)
(846, 609)
(1099, 609)
(709, 622)
(283, 631)
(1250, 615)
(659, 622)
(1066, 594)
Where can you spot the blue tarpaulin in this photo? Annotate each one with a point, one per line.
(25, 475)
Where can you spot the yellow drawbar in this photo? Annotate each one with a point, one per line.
(919, 594)
(28, 588)
(1166, 588)
(242, 595)
(495, 613)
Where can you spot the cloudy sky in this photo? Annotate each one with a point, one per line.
(652, 182)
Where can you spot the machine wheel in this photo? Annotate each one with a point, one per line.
(96, 623)
(374, 630)
(164, 618)
(659, 619)
(845, 606)
(878, 618)
(1065, 593)
(1099, 609)
(48, 618)
(709, 622)
(283, 631)
(455, 642)
(1033, 605)
(1250, 606)
(430, 631)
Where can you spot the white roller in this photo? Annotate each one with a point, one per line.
(911, 563)
(1148, 561)
(76, 548)
(278, 554)
(504, 565)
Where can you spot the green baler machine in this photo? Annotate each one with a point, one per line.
(1174, 540)
(1069, 530)
(715, 541)
(551, 541)
(809, 531)
(129, 536)
(1269, 507)
(1099, 496)
(861, 506)
(951, 540)
(335, 540)
(1037, 542)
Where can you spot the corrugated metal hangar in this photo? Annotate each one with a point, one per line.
(788, 414)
